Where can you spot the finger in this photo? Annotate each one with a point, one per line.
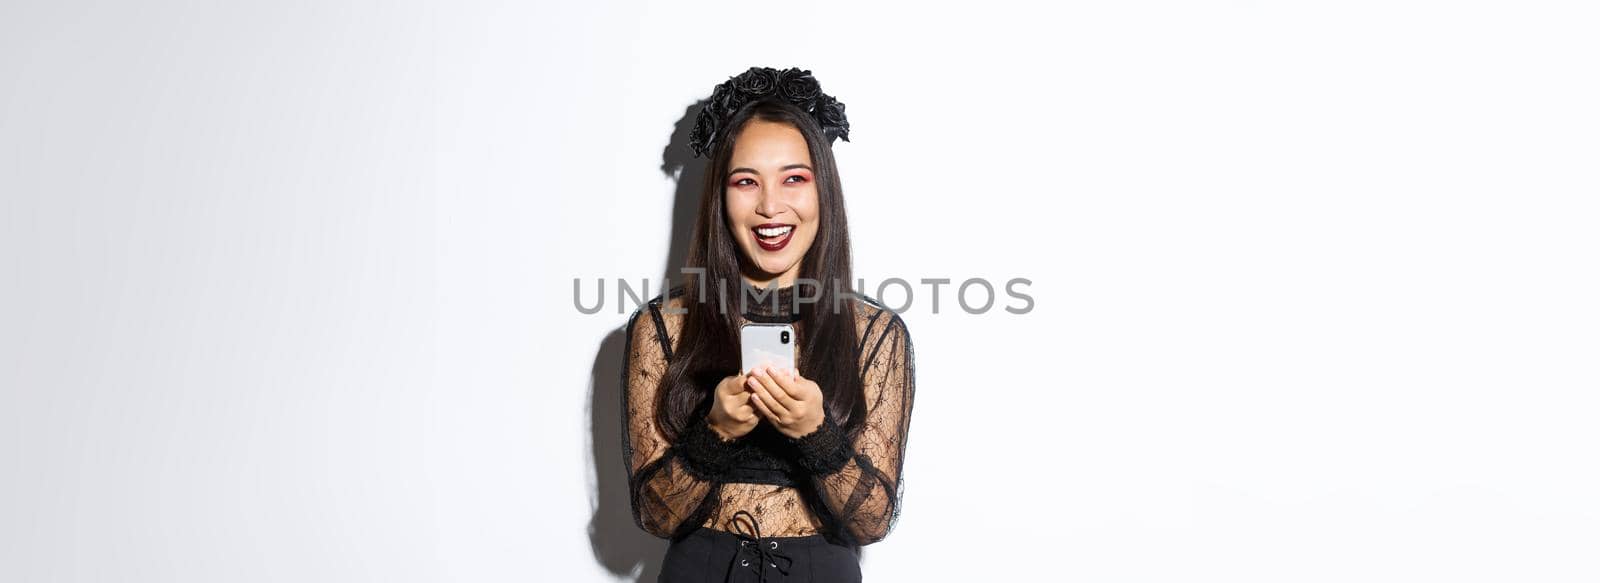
(768, 397)
(738, 399)
(764, 387)
(761, 405)
(734, 388)
(788, 389)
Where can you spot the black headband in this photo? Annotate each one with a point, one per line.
(794, 85)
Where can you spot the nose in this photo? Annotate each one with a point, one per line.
(768, 205)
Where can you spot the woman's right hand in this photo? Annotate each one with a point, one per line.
(731, 415)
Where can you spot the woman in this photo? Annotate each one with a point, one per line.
(775, 475)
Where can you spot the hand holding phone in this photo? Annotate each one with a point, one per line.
(732, 415)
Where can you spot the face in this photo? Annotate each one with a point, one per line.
(771, 197)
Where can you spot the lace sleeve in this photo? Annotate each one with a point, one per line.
(858, 477)
(670, 486)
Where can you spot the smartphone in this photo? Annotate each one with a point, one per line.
(766, 345)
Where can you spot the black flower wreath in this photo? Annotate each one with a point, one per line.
(796, 86)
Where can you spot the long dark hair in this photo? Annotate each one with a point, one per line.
(708, 347)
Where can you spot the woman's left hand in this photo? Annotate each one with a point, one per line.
(792, 403)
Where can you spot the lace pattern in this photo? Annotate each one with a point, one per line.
(846, 485)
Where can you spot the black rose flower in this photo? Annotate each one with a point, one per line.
(725, 100)
(757, 82)
(830, 114)
(705, 130)
(799, 87)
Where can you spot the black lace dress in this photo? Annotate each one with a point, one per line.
(844, 485)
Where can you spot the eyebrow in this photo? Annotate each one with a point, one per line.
(753, 171)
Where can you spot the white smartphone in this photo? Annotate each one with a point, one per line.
(766, 345)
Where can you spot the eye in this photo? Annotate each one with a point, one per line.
(801, 179)
(742, 181)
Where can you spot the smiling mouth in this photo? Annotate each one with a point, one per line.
(773, 236)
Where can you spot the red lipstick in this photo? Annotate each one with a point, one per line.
(776, 235)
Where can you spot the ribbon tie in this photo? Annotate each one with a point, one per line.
(752, 546)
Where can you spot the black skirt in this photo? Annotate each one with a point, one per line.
(709, 555)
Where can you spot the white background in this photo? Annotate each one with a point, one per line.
(287, 286)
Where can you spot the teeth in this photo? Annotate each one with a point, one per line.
(774, 231)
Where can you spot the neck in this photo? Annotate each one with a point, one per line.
(771, 303)
(768, 280)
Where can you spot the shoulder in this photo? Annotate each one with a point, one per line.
(661, 315)
(885, 343)
(875, 322)
(663, 304)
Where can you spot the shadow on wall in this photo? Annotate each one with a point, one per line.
(619, 544)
